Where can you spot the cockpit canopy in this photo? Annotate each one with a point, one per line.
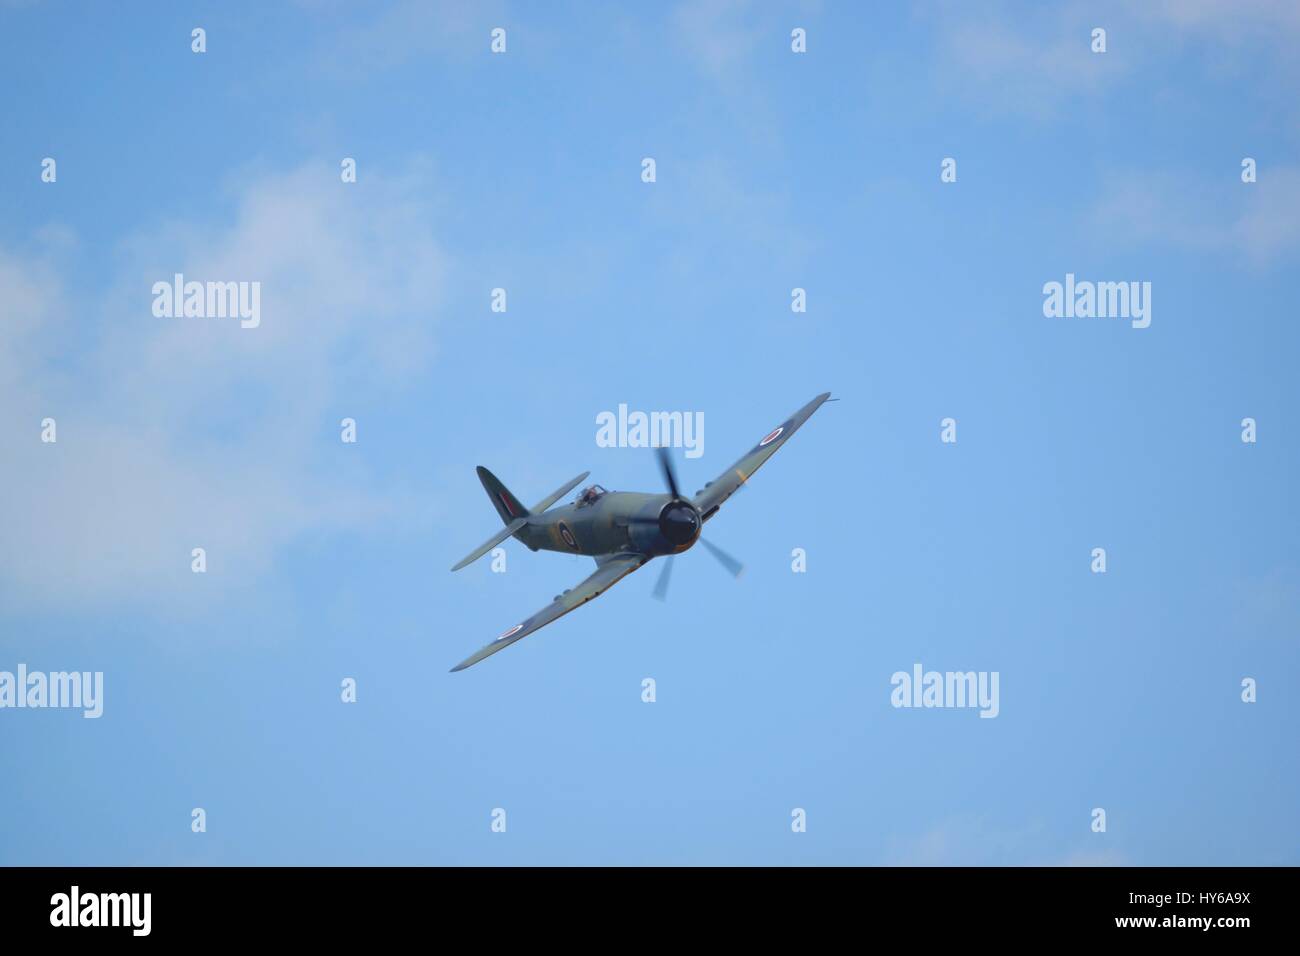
(590, 495)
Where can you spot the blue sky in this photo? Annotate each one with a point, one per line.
(775, 170)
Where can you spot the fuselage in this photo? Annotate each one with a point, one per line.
(617, 522)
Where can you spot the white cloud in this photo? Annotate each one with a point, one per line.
(179, 433)
(1258, 222)
(965, 841)
(1024, 64)
(720, 35)
(1033, 59)
(723, 219)
(973, 841)
(1233, 19)
(417, 29)
(1268, 605)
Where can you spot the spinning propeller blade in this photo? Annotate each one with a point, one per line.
(661, 586)
(727, 561)
(670, 473)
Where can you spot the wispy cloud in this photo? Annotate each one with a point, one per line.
(1232, 19)
(1033, 59)
(413, 29)
(180, 433)
(1268, 605)
(974, 841)
(719, 35)
(723, 219)
(1258, 222)
(965, 841)
(1026, 64)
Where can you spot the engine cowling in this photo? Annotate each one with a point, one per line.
(679, 523)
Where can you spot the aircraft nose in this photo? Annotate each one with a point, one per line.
(680, 524)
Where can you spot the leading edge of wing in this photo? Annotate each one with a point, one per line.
(600, 581)
(716, 492)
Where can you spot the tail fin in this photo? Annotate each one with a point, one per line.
(507, 505)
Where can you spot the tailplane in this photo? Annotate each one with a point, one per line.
(513, 514)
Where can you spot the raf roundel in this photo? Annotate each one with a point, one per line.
(512, 632)
(772, 436)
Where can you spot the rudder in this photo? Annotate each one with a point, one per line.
(507, 505)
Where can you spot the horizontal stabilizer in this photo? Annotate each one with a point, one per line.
(492, 542)
(559, 493)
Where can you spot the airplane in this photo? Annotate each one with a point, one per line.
(622, 530)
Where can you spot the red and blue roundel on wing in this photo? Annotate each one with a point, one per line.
(512, 632)
(772, 436)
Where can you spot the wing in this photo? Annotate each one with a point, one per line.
(605, 576)
(725, 485)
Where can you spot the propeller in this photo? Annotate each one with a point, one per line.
(734, 567)
(669, 472)
(661, 585)
(726, 560)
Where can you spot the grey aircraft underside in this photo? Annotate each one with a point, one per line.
(622, 530)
